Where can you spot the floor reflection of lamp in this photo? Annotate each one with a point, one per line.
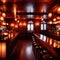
(2, 50)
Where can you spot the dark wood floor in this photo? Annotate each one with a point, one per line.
(23, 51)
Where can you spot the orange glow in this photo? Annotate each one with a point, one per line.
(16, 26)
(50, 22)
(4, 23)
(14, 10)
(24, 24)
(55, 43)
(57, 33)
(3, 14)
(58, 44)
(15, 19)
(12, 24)
(54, 19)
(47, 40)
(4, 1)
(42, 19)
(7, 24)
(1, 18)
(37, 18)
(5, 33)
(50, 15)
(18, 21)
(50, 41)
(20, 24)
(11, 35)
(58, 17)
(58, 10)
(2, 50)
(37, 24)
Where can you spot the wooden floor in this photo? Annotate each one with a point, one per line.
(23, 51)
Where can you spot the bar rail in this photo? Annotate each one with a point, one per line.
(47, 46)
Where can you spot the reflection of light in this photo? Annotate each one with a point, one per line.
(14, 10)
(28, 50)
(44, 39)
(47, 40)
(2, 50)
(41, 36)
(50, 41)
(55, 43)
(11, 35)
(58, 44)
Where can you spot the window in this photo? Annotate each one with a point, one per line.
(30, 26)
(43, 26)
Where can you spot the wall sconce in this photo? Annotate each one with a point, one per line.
(37, 23)
(50, 15)
(24, 24)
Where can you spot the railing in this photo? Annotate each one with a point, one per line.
(47, 46)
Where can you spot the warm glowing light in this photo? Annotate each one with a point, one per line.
(4, 1)
(58, 44)
(50, 15)
(1, 18)
(37, 24)
(11, 36)
(2, 50)
(7, 24)
(55, 43)
(15, 19)
(57, 33)
(16, 26)
(47, 40)
(14, 10)
(5, 33)
(12, 24)
(42, 19)
(54, 19)
(18, 21)
(58, 10)
(58, 17)
(50, 41)
(37, 18)
(50, 22)
(20, 24)
(3, 14)
(4, 23)
(24, 24)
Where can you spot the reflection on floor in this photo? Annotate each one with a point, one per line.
(23, 51)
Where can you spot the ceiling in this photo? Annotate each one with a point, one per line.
(37, 7)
